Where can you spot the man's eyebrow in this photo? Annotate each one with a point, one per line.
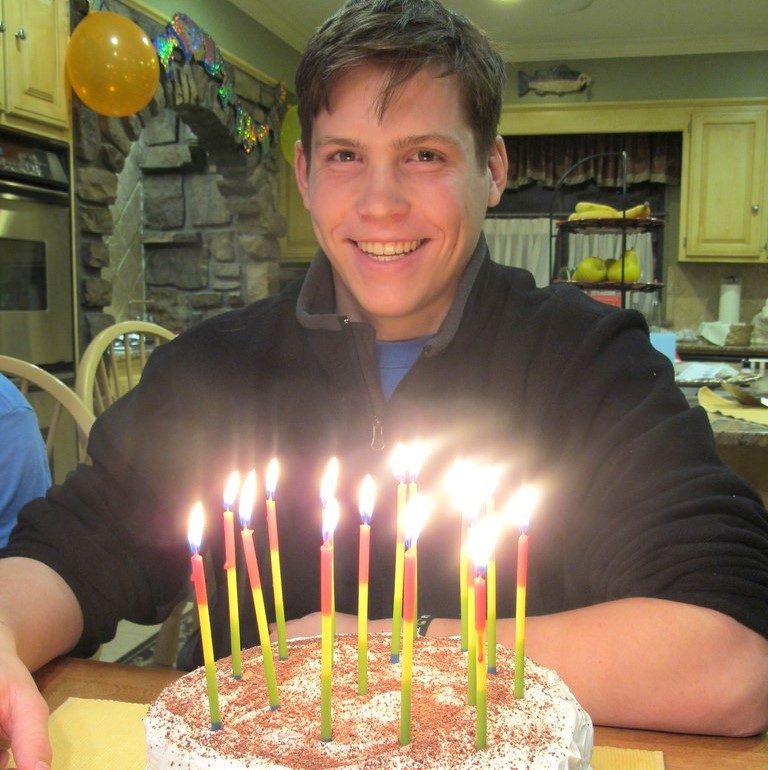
(330, 141)
(427, 139)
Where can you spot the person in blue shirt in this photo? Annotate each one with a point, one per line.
(24, 470)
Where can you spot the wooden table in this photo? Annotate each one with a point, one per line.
(68, 677)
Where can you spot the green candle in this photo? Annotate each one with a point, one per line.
(274, 555)
(367, 495)
(482, 692)
(195, 536)
(247, 497)
(399, 467)
(230, 565)
(330, 519)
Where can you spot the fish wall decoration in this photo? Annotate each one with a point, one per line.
(559, 79)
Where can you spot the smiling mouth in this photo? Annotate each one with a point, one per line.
(387, 252)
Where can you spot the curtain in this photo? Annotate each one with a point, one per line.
(520, 243)
(651, 157)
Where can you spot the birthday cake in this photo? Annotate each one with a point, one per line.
(545, 730)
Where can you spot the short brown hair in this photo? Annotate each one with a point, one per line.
(404, 36)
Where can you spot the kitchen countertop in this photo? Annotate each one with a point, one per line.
(728, 430)
(693, 350)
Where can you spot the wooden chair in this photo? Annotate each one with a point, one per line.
(112, 363)
(30, 378)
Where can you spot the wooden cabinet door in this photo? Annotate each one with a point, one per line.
(36, 35)
(726, 211)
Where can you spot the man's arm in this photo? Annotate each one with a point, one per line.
(40, 618)
(651, 664)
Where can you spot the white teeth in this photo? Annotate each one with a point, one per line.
(390, 250)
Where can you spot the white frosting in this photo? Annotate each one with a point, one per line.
(545, 730)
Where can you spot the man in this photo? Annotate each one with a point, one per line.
(24, 470)
(649, 559)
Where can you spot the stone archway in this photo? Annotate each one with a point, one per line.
(172, 184)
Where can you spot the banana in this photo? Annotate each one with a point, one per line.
(606, 213)
(642, 211)
(587, 206)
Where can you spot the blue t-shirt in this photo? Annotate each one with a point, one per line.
(24, 470)
(396, 358)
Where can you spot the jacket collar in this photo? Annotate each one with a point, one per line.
(316, 304)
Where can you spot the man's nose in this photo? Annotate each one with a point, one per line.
(382, 193)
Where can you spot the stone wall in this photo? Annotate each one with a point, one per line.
(205, 209)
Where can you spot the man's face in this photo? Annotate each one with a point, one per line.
(397, 204)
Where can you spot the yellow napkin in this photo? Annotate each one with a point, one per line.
(714, 403)
(98, 735)
(109, 735)
(609, 758)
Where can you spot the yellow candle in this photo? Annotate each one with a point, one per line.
(471, 639)
(367, 497)
(414, 518)
(330, 519)
(195, 536)
(400, 469)
(274, 554)
(230, 565)
(247, 498)
(520, 508)
(416, 454)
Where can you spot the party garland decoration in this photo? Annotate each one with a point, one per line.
(193, 43)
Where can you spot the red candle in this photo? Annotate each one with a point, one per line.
(194, 537)
(327, 494)
(274, 554)
(230, 493)
(247, 498)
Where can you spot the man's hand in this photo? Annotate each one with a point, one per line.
(310, 624)
(23, 717)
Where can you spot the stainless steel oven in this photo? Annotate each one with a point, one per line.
(36, 289)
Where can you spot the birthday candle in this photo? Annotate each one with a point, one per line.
(194, 537)
(330, 519)
(522, 579)
(490, 480)
(274, 554)
(416, 454)
(520, 508)
(247, 498)
(327, 493)
(481, 545)
(471, 636)
(230, 565)
(367, 497)
(415, 515)
(400, 470)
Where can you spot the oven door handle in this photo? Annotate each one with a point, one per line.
(14, 189)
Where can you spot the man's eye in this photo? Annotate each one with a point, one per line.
(426, 155)
(345, 156)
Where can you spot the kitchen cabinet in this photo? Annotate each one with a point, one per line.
(726, 187)
(33, 43)
(299, 243)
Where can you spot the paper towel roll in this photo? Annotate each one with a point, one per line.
(730, 300)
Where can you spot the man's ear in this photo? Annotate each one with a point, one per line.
(301, 170)
(497, 167)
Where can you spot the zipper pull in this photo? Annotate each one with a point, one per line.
(377, 434)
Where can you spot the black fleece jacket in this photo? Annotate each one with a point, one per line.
(556, 389)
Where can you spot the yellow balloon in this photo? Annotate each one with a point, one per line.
(290, 132)
(112, 64)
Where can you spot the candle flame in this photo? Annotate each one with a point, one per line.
(400, 463)
(330, 518)
(247, 498)
(481, 541)
(271, 478)
(230, 489)
(195, 531)
(414, 517)
(489, 478)
(522, 505)
(328, 484)
(367, 499)
(464, 482)
(417, 452)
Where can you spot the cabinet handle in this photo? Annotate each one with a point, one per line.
(755, 208)
(2, 25)
(21, 34)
